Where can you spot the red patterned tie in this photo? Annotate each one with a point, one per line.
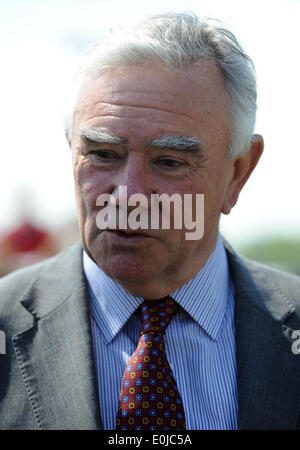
(149, 397)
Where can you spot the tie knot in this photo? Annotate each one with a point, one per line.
(156, 315)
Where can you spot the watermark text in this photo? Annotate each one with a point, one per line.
(166, 212)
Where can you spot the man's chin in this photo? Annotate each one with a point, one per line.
(134, 263)
(130, 269)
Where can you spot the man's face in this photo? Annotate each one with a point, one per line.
(139, 105)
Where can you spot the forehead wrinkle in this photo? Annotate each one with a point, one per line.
(112, 105)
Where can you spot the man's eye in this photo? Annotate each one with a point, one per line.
(101, 155)
(169, 163)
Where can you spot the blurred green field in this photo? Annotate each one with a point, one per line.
(280, 252)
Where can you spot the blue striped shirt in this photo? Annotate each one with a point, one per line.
(199, 342)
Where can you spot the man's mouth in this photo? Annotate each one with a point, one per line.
(129, 235)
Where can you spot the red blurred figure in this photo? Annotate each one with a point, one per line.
(25, 245)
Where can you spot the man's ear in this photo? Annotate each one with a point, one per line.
(243, 166)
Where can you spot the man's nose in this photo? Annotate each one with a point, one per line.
(136, 176)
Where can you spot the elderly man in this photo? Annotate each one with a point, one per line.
(143, 328)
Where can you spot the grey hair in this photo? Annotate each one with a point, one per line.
(175, 40)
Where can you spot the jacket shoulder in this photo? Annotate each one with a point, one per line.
(274, 291)
(14, 285)
(287, 284)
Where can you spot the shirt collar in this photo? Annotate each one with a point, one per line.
(204, 297)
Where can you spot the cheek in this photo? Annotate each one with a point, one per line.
(89, 184)
(214, 198)
(212, 183)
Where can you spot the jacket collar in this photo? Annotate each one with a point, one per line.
(258, 284)
(58, 279)
(44, 295)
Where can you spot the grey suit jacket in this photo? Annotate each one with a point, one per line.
(47, 376)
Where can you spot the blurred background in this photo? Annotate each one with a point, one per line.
(41, 42)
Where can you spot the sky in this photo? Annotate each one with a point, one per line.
(40, 43)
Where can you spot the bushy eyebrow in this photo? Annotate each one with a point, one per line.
(180, 143)
(96, 135)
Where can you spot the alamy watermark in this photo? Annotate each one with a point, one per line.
(296, 344)
(162, 215)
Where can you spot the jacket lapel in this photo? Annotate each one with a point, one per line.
(55, 355)
(267, 370)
